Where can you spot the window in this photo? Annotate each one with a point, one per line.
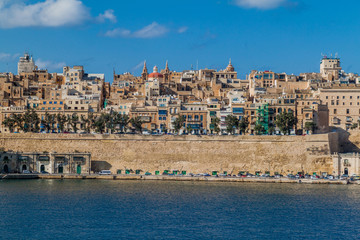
(334, 111)
(55, 102)
(347, 111)
(44, 103)
(343, 97)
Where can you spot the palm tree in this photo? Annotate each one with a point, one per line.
(232, 123)
(243, 125)
(73, 120)
(61, 120)
(35, 121)
(123, 121)
(215, 122)
(178, 123)
(100, 123)
(88, 122)
(137, 124)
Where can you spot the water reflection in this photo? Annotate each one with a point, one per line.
(78, 209)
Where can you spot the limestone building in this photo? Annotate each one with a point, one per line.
(26, 64)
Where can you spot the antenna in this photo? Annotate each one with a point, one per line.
(197, 65)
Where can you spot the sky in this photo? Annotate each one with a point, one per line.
(279, 35)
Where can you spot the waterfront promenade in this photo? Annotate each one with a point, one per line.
(172, 178)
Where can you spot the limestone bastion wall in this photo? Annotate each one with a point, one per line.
(194, 154)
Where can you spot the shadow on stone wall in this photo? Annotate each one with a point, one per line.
(97, 166)
(345, 145)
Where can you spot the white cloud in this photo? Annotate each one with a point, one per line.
(8, 56)
(47, 13)
(49, 65)
(153, 30)
(107, 15)
(260, 4)
(182, 29)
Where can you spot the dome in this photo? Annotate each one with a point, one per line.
(155, 73)
(230, 67)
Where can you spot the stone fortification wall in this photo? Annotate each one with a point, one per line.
(191, 153)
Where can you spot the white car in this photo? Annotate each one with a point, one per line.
(105, 172)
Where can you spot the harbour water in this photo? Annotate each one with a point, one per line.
(96, 209)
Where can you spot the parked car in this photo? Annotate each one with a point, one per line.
(344, 176)
(105, 172)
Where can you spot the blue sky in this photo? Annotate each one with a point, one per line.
(279, 35)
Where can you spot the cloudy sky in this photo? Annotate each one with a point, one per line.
(281, 35)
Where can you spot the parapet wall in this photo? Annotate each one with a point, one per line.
(195, 154)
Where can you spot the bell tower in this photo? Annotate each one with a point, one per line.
(144, 74)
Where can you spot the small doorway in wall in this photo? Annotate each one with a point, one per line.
(42, 168)
(346, 171)
(6, 169)
(24, 167)
(78, 169)
(60, 168)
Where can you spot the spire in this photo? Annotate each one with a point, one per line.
(145, 68)
(167, 65)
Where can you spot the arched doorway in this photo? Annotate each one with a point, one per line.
(60, 168)
(78, 169)
(24, 167)
(346, 171)
(42, 168)
(6, 169)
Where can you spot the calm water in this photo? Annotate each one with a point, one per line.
(53, 209)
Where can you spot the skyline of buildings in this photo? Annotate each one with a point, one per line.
(328, 98)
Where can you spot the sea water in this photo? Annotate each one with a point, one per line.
(96, 209)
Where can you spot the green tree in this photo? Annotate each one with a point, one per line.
(10, 123)
(243, 125)
(311, 126)
(88, 122)
(123, 121)
(285, 121)
(232, 123)
(100, 123)
(215, 122)
(48, 122)
(189, 129)
(27, 121)
(73, 120)
(271, 129)
(259, 129)
(19, 121)
(35, 121)
(178, 123)
(137, 124)
(61, 121)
